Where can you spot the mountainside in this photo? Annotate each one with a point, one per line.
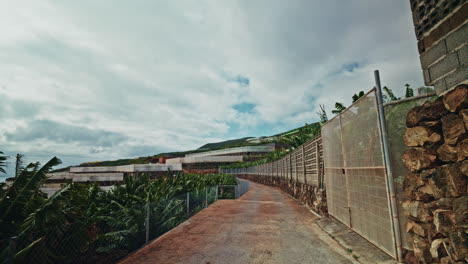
(245, 141)
(224, 144)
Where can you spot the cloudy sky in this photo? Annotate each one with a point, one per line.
(97, 80)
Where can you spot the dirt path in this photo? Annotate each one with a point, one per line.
(264, 226)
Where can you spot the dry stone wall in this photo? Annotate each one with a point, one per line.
(437, 208)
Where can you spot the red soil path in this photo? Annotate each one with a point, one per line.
(264, 226)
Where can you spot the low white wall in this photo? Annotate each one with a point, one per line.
(205, 159)
(262, 148)
(96, 177)
(127, 168)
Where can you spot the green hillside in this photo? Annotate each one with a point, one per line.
(209, 146)
(224, 144)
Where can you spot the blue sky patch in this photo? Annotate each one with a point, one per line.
(245, 107)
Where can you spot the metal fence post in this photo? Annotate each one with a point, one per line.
(188, 204)
(206, 197)
(217, 186)
(304, 165)
(12, 249)
(317, 164)
(147, 222)
(389, 171)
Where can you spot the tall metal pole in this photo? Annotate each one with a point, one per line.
(388, 166)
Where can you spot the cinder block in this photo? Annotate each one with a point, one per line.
(446, 65)
(457, 77)
(427, 77)
(437, 34)
(457, 38)
(440, 86)
(459, 17)
(421, 47)
(433, 54)
(463, 56)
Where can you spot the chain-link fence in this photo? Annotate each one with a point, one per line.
(355, 172)
(233, 191)
(302, 165)
(78, 243)
(395, 116)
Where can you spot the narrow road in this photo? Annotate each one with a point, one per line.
(264, 226)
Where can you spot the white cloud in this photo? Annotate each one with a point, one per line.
(162, 74)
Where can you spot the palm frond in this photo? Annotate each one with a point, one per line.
(3, 162)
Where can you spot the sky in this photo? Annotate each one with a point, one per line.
(98, 80)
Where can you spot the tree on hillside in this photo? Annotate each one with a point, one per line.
(409, 91)
(339, 107)
(357, 96)
(3, 162)
(19, 164)
(425, 90)
(389, 96)
(322, 114)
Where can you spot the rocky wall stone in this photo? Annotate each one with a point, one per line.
(437, 187)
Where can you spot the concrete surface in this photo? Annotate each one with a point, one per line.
(205, 159)
(262, 148)
(263, 226)
(127, 168)
(360, 248)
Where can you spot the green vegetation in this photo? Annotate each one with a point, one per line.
(3, 159)
(224, 144)
(291, 141)
(241, 142)
(297, 130)
(322, 115)
(276, 155)
(389, 96)
(357, 96)
(83, 222)
(19, 161)
(339, 107)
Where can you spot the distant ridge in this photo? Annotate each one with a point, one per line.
(225, 144)
(245, 141)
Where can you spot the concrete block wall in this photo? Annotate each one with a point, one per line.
(442, 32)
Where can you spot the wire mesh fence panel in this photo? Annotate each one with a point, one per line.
(63, 245)
(212, 194)
(196, 201)
(355, 172)
(243, 187)
(395, 115)
(335, 178)
(226, 191)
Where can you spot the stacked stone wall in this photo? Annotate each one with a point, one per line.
(437, 207)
